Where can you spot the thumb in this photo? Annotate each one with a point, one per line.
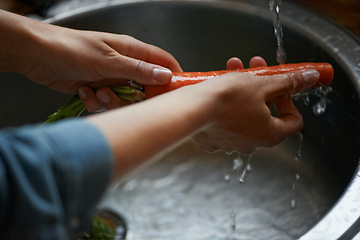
(140, 71)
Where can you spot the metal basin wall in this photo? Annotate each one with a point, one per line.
(184, 195)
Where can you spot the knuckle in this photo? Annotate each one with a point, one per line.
(139, 67)
(143, 70)
(292, 80)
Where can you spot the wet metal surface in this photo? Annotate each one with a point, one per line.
(185, 196)
(189, 194)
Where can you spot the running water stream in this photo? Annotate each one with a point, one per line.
(241, 163)
(297, 159)
(321, 92)
(275, 7)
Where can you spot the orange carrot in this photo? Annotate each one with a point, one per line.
(188, 78)
(74, 106)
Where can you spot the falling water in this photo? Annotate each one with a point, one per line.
(241, 164)
(297, 159)
(240, 167)
(233, 225)
(246, 169)
(275, 6)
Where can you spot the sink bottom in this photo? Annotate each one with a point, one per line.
(192, 193)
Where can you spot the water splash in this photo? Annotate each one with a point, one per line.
(241, 164)
(321, 105)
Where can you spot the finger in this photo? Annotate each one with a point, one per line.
(285, 106)
(152, 54)
(289, 83)
(109, 99)
(87, 96)
(141, 62)
(134, 48)
(234, 63)
(257, 62)
(139, 71)
(290, 120)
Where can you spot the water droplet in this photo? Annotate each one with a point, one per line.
(242, 177)
(237, 164)
(227, 178)
(248, 167)
(320, 107)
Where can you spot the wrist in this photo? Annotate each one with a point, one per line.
(215, 100)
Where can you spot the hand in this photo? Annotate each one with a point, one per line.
(244, 122)
(65, 59)
(81, 58)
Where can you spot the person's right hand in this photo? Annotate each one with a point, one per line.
(243, 121)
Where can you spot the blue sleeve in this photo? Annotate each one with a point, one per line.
(51, 179)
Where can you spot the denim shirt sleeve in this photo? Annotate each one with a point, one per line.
(51, 179)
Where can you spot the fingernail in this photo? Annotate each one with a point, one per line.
(162, 74)
(82, 93)
(311, 76)
(103, 97)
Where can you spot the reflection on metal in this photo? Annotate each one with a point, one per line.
(184, 195)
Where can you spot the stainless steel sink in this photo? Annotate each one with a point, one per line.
(189, 194)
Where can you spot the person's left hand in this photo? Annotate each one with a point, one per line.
(65, 59)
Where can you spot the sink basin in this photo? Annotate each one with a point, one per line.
(308, 187)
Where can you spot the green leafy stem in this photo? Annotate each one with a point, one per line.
(74, 106)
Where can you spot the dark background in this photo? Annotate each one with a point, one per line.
(345, 12)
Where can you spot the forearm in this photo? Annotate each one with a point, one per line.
(18, 42)
(144, 130)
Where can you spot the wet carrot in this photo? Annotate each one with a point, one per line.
(74, 106)
(188, 78)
